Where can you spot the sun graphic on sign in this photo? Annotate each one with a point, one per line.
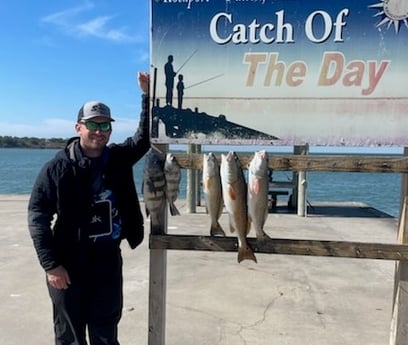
(392, 12)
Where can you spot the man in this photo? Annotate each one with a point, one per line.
(83, 203)
(170, 74)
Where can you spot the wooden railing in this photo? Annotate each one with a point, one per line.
(333, 163)
(161, 242)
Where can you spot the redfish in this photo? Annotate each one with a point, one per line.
(213, 192)
(234, 191)
(258, 186)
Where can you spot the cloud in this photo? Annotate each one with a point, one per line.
(63, 19)
(98, 27)
(72, 23)
(142, 56)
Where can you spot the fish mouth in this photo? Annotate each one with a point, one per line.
(262, 154)
(231, 156)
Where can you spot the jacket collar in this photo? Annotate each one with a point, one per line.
(76, 155)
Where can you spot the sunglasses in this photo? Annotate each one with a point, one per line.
(94, 126)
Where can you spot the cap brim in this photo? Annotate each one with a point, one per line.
(94, 116)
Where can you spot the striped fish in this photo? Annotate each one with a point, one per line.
(154, 190)
(172, 173)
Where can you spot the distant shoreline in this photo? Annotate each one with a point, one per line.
(9, 142)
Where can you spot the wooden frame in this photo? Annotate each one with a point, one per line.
(160, 243)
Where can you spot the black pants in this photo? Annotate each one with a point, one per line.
(93, 302)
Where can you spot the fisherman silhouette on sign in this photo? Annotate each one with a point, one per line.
(170, 74)
(180, 91)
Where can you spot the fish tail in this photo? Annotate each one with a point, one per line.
(157, 223)
(216, 230)
(262, 238)
(157, 229)
(245, 253)
(173, 209)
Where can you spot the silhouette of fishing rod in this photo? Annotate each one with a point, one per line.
(204, 81)
(187, 60)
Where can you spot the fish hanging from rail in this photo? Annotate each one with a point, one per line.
(213, 192)
(257, 199)
(154, 190)
(234, 191)
(172, 173)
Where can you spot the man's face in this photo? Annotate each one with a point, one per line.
(94, 134)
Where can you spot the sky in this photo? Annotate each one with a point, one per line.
(57, 55)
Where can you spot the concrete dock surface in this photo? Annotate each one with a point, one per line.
(213, 300)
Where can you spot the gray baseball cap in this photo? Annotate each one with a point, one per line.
(94, 109)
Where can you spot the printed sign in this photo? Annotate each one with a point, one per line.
(282, 72)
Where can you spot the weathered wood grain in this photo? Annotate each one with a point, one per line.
(399, 321)
(359, 250)
(334, 163)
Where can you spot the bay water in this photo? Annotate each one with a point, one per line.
(19, 168)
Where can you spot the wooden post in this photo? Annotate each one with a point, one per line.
(399, 321)
(191, 184)
(404, 184)
(154, 86)
(157, 296)
(157, 286)
(299, 178)
(198, 179)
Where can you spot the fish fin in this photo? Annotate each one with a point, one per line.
(231, 193)
(232, 229)
(256, 186)
(173, 209)
(246, 253)
(262, 238)
(220, 209)
(207, 184)
(216, 230)
(266, 214)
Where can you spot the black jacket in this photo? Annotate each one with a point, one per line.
(59, 204)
